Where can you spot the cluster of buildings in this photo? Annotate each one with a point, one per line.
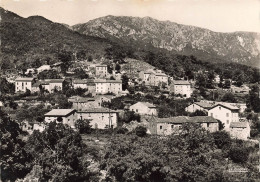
(227, 114)
(91, 108)
(96, 86)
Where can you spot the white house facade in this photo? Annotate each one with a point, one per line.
(100, 118)
(69, 116)
(182, 87)
(22, 84)
(144, 108)
(225, 113)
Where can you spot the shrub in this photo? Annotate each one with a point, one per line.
(221, 139)
(140, 131)
(254, 132)
(239, 154)
(121, 130)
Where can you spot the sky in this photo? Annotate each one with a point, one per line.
(216, 15)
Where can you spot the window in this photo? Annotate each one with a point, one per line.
(227, 114)
(136, 110)
(160, 127)
(172, 126)
(227, 121)
(219, 108)
(211, 114)
(207, 124)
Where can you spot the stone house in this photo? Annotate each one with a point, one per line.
(173, 125)
(68, 116)
(22, 84)
(144, 108)
(181, 87)
(240, 130)
(100, 118)
(108, 86)
(78, 83)
(201, 106)
(153, 77)
(226, 113)
(101, 70)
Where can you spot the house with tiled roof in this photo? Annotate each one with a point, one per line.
(68, 116)
(48, 84)
(153, 77)
(205, 105)
(23, 84)
(144, 108)
(225, 112)
(100, 118)
(104, 86)
(181, 87)
(173, 125)
(201, 106)
(80, 83)
(101, 70)
(240, 130)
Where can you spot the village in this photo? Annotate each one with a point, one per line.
(92, 93)
(129, 91)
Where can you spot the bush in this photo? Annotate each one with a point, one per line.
(254, 132)
(239, 154)
(140, 131)
(121, 130)
(221, 139)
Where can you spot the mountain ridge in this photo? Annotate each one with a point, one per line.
(241, 47)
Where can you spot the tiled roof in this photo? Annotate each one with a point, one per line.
(24, 79)
(107, 81)
(78, 81)
(181, 82)
(146, 104)
(238, 125)
(160, 74)
(186, 119)
(205, 105)
(226, 105)
(59, 112)
(98, 110)
(56, 80)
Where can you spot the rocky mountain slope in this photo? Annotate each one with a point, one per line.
(24, 40)
(240, 47)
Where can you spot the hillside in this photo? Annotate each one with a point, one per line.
(25, 40)
(240, 47)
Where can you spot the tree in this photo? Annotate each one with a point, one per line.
(253, 99)
(229, 97)
(15, 162)
(59, 154)
(48, 74)
(90, 58)
(199, 113)
(221, 138)
(227, 84)
(125, 80)
(140, 131)
(66, 58)
(238, 153)
(118, 67)
(83, 126)
(59, 119)
(187, 157)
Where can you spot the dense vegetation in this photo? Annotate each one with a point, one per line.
(60, 154)
(191, 156)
